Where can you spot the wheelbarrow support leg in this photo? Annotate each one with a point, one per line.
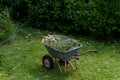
(58, 65)
(76, 64)
(71, 65)
(65, 66)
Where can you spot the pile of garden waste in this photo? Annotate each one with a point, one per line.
(60, 44)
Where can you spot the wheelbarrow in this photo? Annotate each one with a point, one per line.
(63, 56)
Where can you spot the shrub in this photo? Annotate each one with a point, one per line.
(7, 27)
(94, 18)
(97, 18)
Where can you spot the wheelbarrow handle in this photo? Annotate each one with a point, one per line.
(86, 52)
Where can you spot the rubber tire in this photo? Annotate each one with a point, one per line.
(49, 60)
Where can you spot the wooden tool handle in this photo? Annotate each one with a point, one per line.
(86, 52)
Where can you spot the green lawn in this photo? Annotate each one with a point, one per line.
(22, 60)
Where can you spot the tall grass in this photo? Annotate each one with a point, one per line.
(7, 27)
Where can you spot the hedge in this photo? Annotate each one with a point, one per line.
(97, 18)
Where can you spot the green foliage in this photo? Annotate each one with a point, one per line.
(97, 18)
(18, 8)
(7, 27)
(110, 11)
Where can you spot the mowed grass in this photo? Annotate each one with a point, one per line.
(22, 60)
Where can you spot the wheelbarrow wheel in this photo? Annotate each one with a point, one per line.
(48, 61)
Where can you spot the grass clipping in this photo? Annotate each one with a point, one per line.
(61, 43)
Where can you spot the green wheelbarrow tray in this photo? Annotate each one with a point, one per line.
(62, 54)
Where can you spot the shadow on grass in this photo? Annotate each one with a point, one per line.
(41, 73)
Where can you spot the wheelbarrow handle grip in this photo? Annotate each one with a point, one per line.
(95, 51)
